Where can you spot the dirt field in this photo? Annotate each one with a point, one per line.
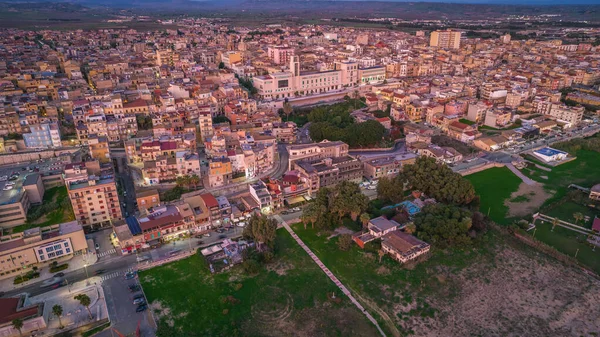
(521, 293)
(526, 200)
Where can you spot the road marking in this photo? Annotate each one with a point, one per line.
(108, 252)
(117, 274)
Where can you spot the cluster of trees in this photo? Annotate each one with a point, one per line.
(447, 225)
(335, 123)
(331, 205)
(144, 122)
(435, 180)
(247, 83)
(262, 230)
(188, 181)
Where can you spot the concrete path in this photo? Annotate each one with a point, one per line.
(519, 174)
(333, 278)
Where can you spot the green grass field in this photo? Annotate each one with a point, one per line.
(566, 210)
(283, 297)
(383, 286)
(568, 242)
(494, 186)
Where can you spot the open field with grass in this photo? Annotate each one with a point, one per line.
(498, 287)
(568, 242)
(290, 297)
(494, 186)
(566, 210)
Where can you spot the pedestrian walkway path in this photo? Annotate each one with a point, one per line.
(108, 252)
(116, 274)
(520, 174)
(333, 278)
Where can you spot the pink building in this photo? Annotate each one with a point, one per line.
(280, 54)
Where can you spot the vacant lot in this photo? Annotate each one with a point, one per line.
(498, 287)
(494, 186)
(291, 297)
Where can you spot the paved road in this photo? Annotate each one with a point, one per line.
(519, 174)
(399, 147)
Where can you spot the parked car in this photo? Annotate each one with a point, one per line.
(142, 258)
(207, 234)
(139, 301)
(138, 296)
(99, 271)
(141, 308)
(61, 274)
(296, 209)
(134, 288)
(97, 247)
(222, 236)
(174, 252)
(241, 224)
(130, 275)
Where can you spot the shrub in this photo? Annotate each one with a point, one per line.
(55, 269)
(344, 241)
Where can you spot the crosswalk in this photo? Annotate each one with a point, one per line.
(116, 274)
(108, 252)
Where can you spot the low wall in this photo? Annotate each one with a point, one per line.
(177, 257)
(480, 168)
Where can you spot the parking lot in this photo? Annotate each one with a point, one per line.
(122, 311)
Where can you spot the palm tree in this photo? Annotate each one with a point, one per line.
(85, 301)
(355, 96)
(287, 109)
(381, 254)
(578, 217)
(17, 323)
(410, 228)
(364, 218)
(555, 222)
(182, 181)
(57, 310)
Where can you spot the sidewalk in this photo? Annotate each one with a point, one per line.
(74, 314)
(75, 263)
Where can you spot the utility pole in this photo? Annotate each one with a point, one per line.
(576, 252)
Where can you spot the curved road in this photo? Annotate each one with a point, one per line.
(399, 147)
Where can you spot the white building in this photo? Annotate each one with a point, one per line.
(549, 154)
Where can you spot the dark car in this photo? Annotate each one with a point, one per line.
(222, 236)
(61, 274)
(130, 275)
(138, 296)
(141, 307)
(99, 271)
(134, 288)
(140, 300)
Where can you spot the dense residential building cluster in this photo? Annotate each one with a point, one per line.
(206, 108)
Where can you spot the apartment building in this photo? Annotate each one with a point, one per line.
(261, 195)
(572, 115)
(388, 166)
(99, 149)
(447, 39)
(205, 123)
(477, 110)
(497, 118)
(40, 246)
(315, 151)
(147, 199)
(329, 171)
(93, 193)
(46, 135)
(280, 54)
(219, 172)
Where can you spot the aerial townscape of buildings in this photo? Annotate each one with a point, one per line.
(146, 145)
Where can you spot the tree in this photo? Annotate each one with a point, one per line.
(440, 182)
(17, 323)
(410, 228)
(194, 180)
(182, 181)
(221, 65)
(85, 301)
(578, 217)
(311, 213)
(261, 229)
(444, 225)
(381, 254)
(57, 310)
(555, 222)
(348, 199)
(478, 220)
(287, 109)
(364, 219)
(391, 189)
(344, 242)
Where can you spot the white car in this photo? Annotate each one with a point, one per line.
(4, 178)
(7, 188)
(241, 224)
(296, 209)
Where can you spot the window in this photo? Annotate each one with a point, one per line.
(57, 247)
(49, 249)
(68, 250)
(51, 255)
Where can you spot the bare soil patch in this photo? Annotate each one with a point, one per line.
(531, 199)
(523, 293)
